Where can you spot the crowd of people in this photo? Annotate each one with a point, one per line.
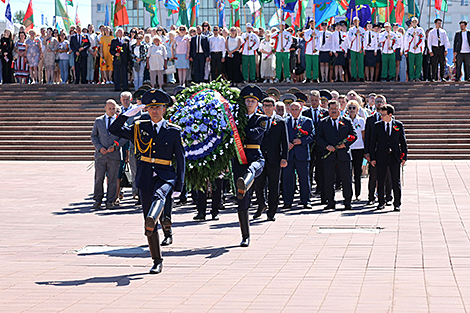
(376, 52)
(314, 143)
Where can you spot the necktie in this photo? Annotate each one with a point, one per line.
(155, 127)
(295, 123)
(324, 38)
(438, 38)
(378, 117)
(269, 125)
(340, 38)
(387, 129)
(198, 44)
(335, 127)
(108, 122)
(370, 38)
(315, 115)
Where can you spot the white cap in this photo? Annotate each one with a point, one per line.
(414, 18)
(387, 24)
(356, 18)
(248, 25)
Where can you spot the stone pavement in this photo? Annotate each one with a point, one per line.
(418, 262)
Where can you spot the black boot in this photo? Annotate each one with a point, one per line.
(152, 217)
(245, 228)
(155, 252)
(166, 226)
(244, 184)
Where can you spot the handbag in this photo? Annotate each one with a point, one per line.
(137, 66)
(170, 69)
(126, 179)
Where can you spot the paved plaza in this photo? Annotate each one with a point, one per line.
(57, 254)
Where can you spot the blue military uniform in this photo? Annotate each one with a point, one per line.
(158, 144)
(245, 174)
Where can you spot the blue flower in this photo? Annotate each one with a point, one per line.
(213, 112)
(206, 120)
(223, 123)
(203, 128)
(188, 129)
(198, 115)
(194, 136)
(195, 128)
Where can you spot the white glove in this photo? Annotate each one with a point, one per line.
(134, 111)
(175, 194)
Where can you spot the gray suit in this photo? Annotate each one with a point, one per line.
(108, 163)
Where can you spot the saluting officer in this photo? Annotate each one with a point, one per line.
(245, 174)
(159, 142)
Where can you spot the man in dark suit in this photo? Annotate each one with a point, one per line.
(121, 53)
(245, 170)
(334, 136)
(199, 52)
(380, 100)
(462, 51)
(159, 143)
(388, 150)
(316, 113)
(80, 43)
(301, 134)
(274, 148)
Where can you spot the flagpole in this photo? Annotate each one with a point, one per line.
(244, 13)
(159, 13)
(387, 17)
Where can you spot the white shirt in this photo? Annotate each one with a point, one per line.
(284, 44)
(465, 47)
(232, 43)
(359, 125)
(267, 46)
(250, 43)
(389, 125)
(356, 40)
(109, 120)
(199, 44)
(399, 43)
(325, 41)
(159, 124)
(335, 45)
(388, 44)
(311, 42)
(414, 40)
(217, 44)
(370, 40)
(157, 56)
(433, 40)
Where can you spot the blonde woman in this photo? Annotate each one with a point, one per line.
(106, 61)
(180, 53)
(33, 54)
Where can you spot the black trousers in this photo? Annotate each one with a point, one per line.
(382, 167)
(318, 162)
(373, 184)
(463, 58)
(426, 67)
(344, 172)
(438, 59)
(216, 199)
(357, 157)
(7, 71)
(80, 69)
(271, 173)
(216, 64)
(232, 66)
(120, 77)
(199, 63)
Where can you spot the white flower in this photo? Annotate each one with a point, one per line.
(221, 152)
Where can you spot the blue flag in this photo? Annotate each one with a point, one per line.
(106, 17)
(8, 19)
(324, 10)
(362, 11)
(287, 5)
(172, 5)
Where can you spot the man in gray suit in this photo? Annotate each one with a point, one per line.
(107, 157)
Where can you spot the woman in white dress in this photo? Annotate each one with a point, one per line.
(268, 60)
(156, 61)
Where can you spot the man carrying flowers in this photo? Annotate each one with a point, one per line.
(252, 158)
(335, 135)
(159, 143)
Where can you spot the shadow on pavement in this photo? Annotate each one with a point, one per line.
(121, 280)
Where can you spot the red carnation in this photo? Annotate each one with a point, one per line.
(402, 155)
(116, 143)
(351, 138)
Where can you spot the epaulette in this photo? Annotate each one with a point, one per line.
(174, 125)
(137, 122)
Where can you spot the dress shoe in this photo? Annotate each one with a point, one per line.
(245, 242)
(109, 205)
(287, 206)
(271, 219)
(138, 202)
(167, 241)
(259, 212)
(347, 207)
(323, 202)
(361, 80)
(306, 81)
(380, 207)
(389, 203)
(156, 268)
(96, 205)
(307, 206)
(397, 208)
(199, 218)
(370, 202)
(330, 207)
(215, 217)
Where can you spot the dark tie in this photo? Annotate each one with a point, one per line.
(315, 115)
(295, 122)
(269, 125)
(324, 38)
(340, 38)
(335, 127)
(198, 43)
(155, 128)
(378, 117)
(387, 129)
(370, 38)
(438, 38)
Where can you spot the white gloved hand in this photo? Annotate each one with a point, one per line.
(175, 194)
(134, 111)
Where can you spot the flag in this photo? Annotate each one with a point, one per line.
(77, 19)
(400, 12)
(221, 7)
(172, 5)
(8, 20)
(362, 11)
(301, 14)
(234, 3)
(3, 1)
(286, 5)
(120, 13)
(374, 3)
(324, 10)
(413, 9)
(70, 2)
(390, 12)
(183, 14)
(149, 2)
(193, 8)
(441, 5)
(275, 19)
(60, 11)
(153, 14)
(28, 20)
(235, 15)
(111, 16)
(106, 16)
(254, 6)
(342, 6)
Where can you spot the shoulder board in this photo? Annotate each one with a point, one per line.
(174, 125)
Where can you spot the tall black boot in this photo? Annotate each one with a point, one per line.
(244, 184)
(245, 228)
(154, 214)
(155, 252)
(166, 226)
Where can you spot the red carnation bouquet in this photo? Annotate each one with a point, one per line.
(119, 50)
(350, 138)
(92, 164)
(300, 131)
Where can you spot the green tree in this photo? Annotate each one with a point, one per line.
(18, 17)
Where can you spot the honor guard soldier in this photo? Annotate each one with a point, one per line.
(273, 92)
(245, 174)
(356, 39)
(414, 47)
(158, 142)
(388, 40)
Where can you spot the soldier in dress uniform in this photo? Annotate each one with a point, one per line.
(159, 142)
(245, 174)
(273, 92)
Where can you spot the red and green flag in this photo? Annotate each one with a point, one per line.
(70, 2)
(342, 6)
(400, 12)
(235, 15)
(120, 13)
(301, 16)
(413, 9)
(28, 20)
(441, 5)
(193, 8)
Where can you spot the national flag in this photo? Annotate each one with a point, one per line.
(301, 14)
(8, 19)
(153, 14)
(60, 11)
(70, 2)
(77, 19)
(413, 9)
(390, 12)
(28, 20)
(288, 18)
(235, 16)
(362, 11)
(400, 12)
(254, 6)
(120, 13)
(234, 3)
(149, 2)
(221, 7)
(183, 14)
(3, 1)
(324, 10)
(373, 3)
(342, 6)
(441, 5)
(286, 5)
(172, 5)
(106, 16)
(112, 14)
(192, 8)
(275, 19)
